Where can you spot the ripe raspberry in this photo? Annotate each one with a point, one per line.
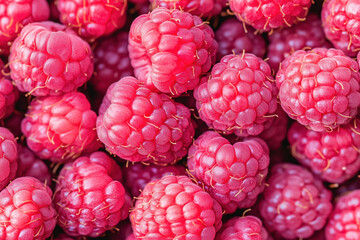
(26, 210)
(295, 204)
(266, 15)
(8, 97)
(234, 174)
(88, 200)
(233, 37)
(46, 60)
(13, 123)
(60, 128)
(8, 160)
(14, 15)
(240, 96)
(174, 207)
(170, 49)
(140, 125)
(319, 88)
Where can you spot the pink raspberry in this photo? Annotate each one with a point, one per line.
(319, 88)
(46, 60)
(266, 15)
(26, 210)
(137, 124)
(93, 18)
(14, 15)
(295, 203)
(233, 37)
(8, 160)
(233, 174)
(170, 49)
(174, 207)
(60, 128)
(87, 198)
(240, 96)
(8, 97)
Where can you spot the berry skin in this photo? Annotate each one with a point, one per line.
(8, 160)
(266, 15)
(319, 88)
(8, 96)
(88, 200)
(60, 128)
(26, 210)
(47, 59)
(240, 96)
(137, 124)
(174, 207)
(170, 49)
(295, 203)
(234, 175)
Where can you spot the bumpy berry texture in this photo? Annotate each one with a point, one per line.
(170, 49)
(13, 123)
(60, 128)
(87, 198)
(240, 96)
(8, 157)
(26, 210)
(232, 37)
(47, 59)
(295, 203)
(234, 175)
(140, 125)
(8, 97)
(93, 18)
(319, 88)
(174, 207)
(14, 15)
(266, 15)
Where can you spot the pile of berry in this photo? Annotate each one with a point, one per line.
(183, 119)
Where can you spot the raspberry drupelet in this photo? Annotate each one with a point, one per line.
(8, 97)
(319, 88)
(8, 159)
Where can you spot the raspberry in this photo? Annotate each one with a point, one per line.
(93, 18)
(233, 37)
(295, 203)
(14, 15)
(137, 175)
(13, 123)
(8, 97)
(234, 174)
(88, 200)
(46, 60)
(8, 160)
(60, 128)
(266, 15)
(240, 96)
(174, 207)
(26, 210)
(170, 49)
(319, 88)
(137, 124)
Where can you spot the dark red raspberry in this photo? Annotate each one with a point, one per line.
(295, 203)
(13, 123)
(60, 128)
(319, 88)
(170, 49)
(240, 96)
(140, 125)
(233, 174)
(174, 207)
(266, 15)
(87, 198)
(8, 159)
(93, 18)
(46, 60)
(8, 97)
(26, 210)
(233, 37)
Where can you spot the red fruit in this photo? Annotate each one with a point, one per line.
(47, 59)
(174, 207)
(319, 88)
(137, 124)
(60, 128)
(295, 203)
(26, 210)
(266, 15)
(170, 49)
(88, 199)
(8, 159)
(8, 97)
(13, 123)
(240, 96)
(234, 175)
